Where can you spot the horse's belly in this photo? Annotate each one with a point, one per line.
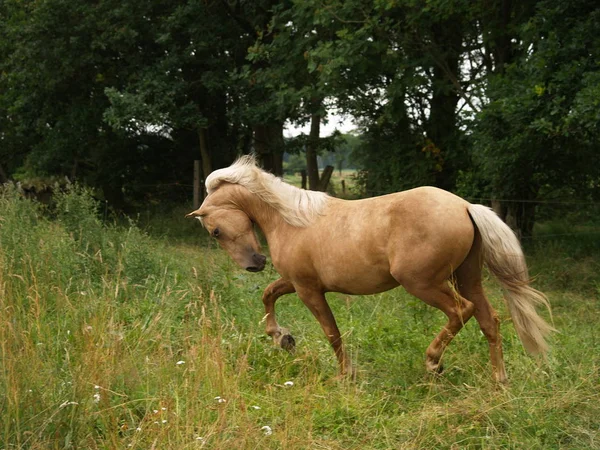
(359, 282)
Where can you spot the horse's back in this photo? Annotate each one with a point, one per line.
(432, 233)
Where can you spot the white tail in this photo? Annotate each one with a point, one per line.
(503, 255)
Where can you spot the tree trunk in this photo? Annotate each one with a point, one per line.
(3, 175)
(504, 49)
(74, 168)
(500, 24)
(499, 208)
(520, 214)
(441, 127)
(325, 178)
(521, 218)
(269, 146)
(278, 163)
(204, 153)
(312, 166)
(197, 185)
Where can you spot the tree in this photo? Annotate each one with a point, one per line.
(537, 135)
(290, 78)
(497, 98)
(182, 88)
(395, 66)
(58, 60)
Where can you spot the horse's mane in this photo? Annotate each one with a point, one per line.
(298, 207)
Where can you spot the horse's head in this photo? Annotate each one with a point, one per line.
(233, 230)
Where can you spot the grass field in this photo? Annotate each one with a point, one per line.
(112, 338)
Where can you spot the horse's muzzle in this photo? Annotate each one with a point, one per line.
(259, 262)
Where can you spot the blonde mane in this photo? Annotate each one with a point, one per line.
(298, 207)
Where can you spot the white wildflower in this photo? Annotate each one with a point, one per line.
(255, 407)
(97, 397)
(267, 429)
(219, 399)
(180, 363)
(288, 383)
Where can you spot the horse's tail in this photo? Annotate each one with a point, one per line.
(504, 257)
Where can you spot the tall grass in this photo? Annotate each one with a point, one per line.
(111, 337)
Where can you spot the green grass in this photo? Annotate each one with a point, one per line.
(94, 320)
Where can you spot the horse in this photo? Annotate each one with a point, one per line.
(430, 241)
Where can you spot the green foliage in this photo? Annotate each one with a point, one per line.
(392, 159)
(295, 163)
(58, 61)
(537, 130)
(342, 155)
(77, 211)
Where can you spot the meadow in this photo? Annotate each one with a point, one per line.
(343, 184)
(145, 335)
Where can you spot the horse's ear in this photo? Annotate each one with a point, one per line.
(193, 214)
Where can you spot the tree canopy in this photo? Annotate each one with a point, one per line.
(495, 99)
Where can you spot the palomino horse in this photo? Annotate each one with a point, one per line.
(428, 240)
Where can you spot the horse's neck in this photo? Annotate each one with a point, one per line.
(264, 215)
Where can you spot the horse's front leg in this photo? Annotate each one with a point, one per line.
(316, 302)
(281, 336)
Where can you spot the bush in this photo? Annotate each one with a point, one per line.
(77, 210)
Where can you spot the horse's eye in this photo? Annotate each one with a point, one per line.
(216, 232)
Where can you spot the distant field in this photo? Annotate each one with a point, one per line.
(335, 185)
(113, 337)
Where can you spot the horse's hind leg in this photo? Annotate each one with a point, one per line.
(490, 326)
(457, 309)
(281, 336)
(468, 280)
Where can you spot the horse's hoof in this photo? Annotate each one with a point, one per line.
(434, 368)
(288, 342)
(501, 380)
(350, 374)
